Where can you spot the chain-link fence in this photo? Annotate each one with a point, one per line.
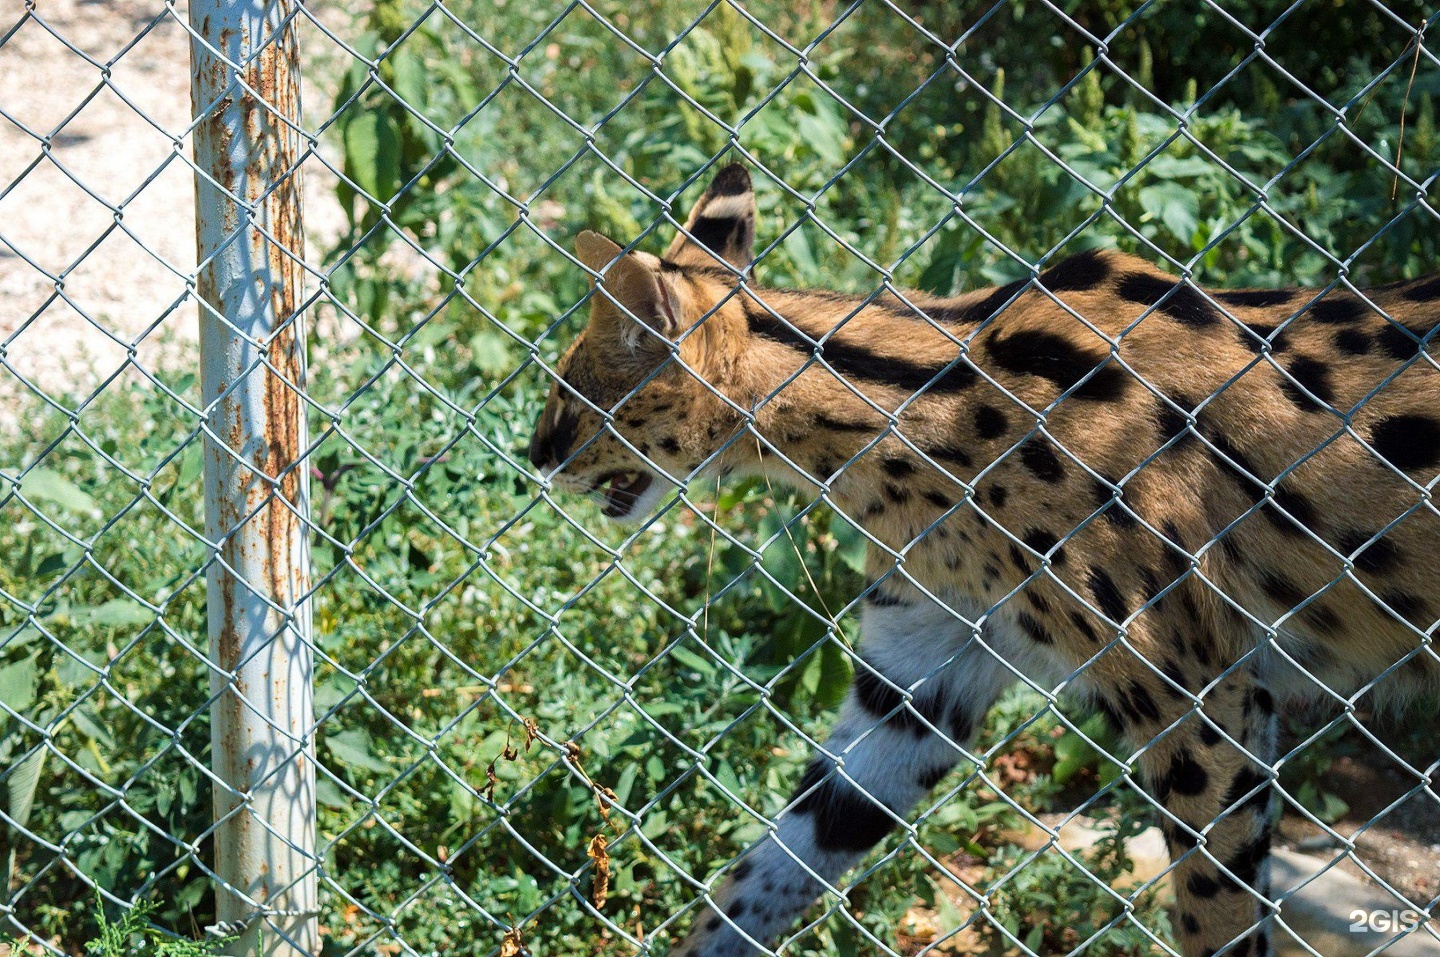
(274, 532)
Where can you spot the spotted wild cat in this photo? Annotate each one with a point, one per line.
(1185, 507)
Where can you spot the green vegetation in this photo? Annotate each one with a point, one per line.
(504, 678)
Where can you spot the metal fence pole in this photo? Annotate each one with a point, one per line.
(245, 95)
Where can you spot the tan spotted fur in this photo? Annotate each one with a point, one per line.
(1111, 528)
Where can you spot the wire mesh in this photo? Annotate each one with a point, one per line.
(536, 731)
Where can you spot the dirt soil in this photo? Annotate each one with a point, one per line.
(97, 236)
(1402, 846)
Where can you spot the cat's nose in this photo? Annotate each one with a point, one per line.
(541, 452)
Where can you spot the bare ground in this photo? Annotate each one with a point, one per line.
(97, 242)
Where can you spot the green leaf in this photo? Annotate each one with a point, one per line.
(1176, 206)
(51, 486)
(354, 749)
(20, 684)
(116, 613)
(372, 153)
(52, 564)
(21, 785)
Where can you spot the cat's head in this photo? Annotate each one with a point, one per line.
(636, 407)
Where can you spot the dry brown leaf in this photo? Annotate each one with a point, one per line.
(511, 945)
(600, 854)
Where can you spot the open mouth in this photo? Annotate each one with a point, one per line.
(622, 490)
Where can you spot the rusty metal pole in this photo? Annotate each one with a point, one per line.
(246, 100)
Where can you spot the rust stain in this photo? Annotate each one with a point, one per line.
(250, 109)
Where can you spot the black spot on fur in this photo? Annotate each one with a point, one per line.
(1189, 923)
(742, 870)
(824, 421)
(1353, 342)
(1019, 560)
(945, 454)
(879, 599)
(1258, 331)
(990, 422)
(981, 309)
(1032, 627)
(857, 362)
(1176, 552)
(879, 699)
(1407, 606)
(1209, 736)
(1408, 442)
(1037, 456)
(1175, 838)
(1115, 513)
(1425, 291)
(1184, 304)
(1179, 681)
(1242, 461)
(1396, 343)
(736, 910)
(962, 725)
(1170, 421)
(1200, 649)
(1187, 776)
(1377, 558)
(1077, 273)
(670, 445)
(844, 818)
(1339, 310)
(1053, 357)
(939, 500)
(1042, 541)
(1313, 375)
(1248, 779)
(1256, 298)
(1083, 626)
(898, 468)
(1138, 703)
(928, 779)
(1285, 593)
(1106, 595)
(1264, 700)
(997, 495)
(1202, 886)
(1245, 863)
(1296, 505)
(897, 494)
(1322, 618)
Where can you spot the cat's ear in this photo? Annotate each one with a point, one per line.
(631, 281)
(721, 226)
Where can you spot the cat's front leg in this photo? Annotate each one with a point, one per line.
(922, 684)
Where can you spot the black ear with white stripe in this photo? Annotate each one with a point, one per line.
(722, 224)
